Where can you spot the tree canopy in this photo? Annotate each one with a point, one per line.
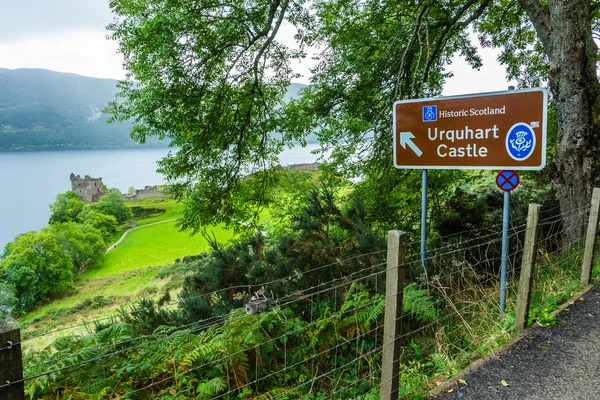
(106, 224)
(211, 77)
(35, 265)
(66, 207)
(8, 300)
(83, 244)
(112, 204)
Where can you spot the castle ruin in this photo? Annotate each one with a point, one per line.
(87, 188)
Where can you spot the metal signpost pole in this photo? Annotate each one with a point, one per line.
(505, 218)
(423, 218)
(424, 213)
(507, 181)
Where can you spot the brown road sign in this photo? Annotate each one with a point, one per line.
(501, 130)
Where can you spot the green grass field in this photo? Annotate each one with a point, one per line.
(172, 209)
(152, 245)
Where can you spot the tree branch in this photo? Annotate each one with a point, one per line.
(540, 17)
(270, 39)
(444, 37)
(404, 61)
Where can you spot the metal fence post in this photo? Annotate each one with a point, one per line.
(394, 291)
(590, 239)
(527, 267)
(11, 364)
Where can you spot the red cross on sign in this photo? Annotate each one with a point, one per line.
(507, 180)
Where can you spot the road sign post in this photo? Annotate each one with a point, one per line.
(500, 130)
(507, 181)
(423, 218)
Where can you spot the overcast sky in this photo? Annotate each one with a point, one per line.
(70, 36)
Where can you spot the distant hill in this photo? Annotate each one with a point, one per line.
(47, 110)
(43, 110)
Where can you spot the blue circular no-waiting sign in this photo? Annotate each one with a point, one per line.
(507, 180)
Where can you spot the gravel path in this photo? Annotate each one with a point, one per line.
(558, 362)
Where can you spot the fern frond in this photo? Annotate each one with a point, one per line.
(93, 386)
(419, 304)
(66, 342)
(115, 332)
(377, 310)
(211, 388)
(349, 301)
(206, 351)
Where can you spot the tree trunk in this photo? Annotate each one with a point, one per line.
(564, 28)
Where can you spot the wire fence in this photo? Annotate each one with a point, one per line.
(324, 339)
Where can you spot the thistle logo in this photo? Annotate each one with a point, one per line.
(520, 141)
(429, 113)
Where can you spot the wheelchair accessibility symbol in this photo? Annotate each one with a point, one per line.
(520, 141)
(429, 113)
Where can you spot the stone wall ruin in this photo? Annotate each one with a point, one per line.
(145, 193)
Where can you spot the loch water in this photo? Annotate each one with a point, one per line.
(30, 181)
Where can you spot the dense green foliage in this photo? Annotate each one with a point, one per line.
(112, 204)
(218, 94)
(209, 363)
(8, 299)
(66, 207)
(83, 244)
(103, 215)
(106, 224)
(143, 212)
(319, 225)
(38, 266)
(321, 231)
(233, 77)
(46, 110)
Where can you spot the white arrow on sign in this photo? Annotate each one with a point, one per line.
(406, 139)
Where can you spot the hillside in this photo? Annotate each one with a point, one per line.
(47, 110)
(42, 110)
